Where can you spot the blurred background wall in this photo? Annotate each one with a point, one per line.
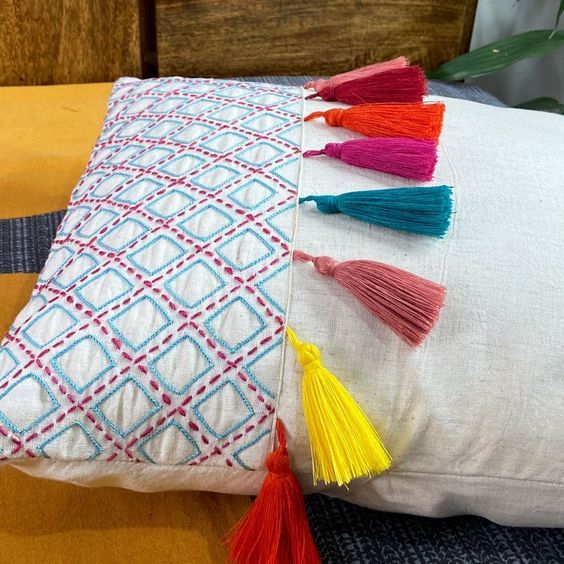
(527, 79)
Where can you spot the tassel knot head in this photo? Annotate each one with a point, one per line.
(325, 204)
(332, 117)
(333, 150)
(278, 461)
(308, 355)
(323, 264)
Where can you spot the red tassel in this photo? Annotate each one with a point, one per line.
(275, 530)
(319, 84)
(410, 158)
(407, 303)
(406, 84)
(416, 121)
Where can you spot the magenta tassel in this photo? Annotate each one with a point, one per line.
(410, 158)
(361, 72)
(399, 85)
(406, 303)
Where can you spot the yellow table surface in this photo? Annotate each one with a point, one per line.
(46, 135)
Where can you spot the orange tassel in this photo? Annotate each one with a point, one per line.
(417, 121)
(275, 530)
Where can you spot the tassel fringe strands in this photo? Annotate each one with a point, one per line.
(424, 210)
(361, 72)
(409, 158)
(397, 85)
(408, 304)
(275, 530)
(344, 443)
(415, 121)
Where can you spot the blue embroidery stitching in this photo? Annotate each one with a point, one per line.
(197, 161)
(277, 118)
(159, 124)
(4, 363)
(152, 205)
(110, 215)
(112, 320)
(270, 250)
(53, 253)
(121, 225)
(229, 118)
(121, 197)
(164, 381)
(68, 379)
(249, 445)
(178, 137)
(124, 432)
(180, 252)
(181, 299)
(159, 150)
(284, 235)
(93, 262)
(103, 305)
(266, 160)
(214, 187)
(276, 169)
(235, 426)
(129, 152)
(196, 452)
(124, 177)
(54, 404)
(43, 314)
(246, 186)
(97, 447)
(250, 337)
(260, 286)
(251, 374)
(211, 144)
(183, 223)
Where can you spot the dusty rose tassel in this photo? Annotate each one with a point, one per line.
(407, 84)
(410, 158)
(406, 303)
(361, 72)
(275, 530)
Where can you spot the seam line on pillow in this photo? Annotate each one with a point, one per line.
(472, 476)
(290, 267)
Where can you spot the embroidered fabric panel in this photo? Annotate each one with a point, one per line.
(154, 332)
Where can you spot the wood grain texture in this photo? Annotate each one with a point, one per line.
(259, 37)
(66, 41)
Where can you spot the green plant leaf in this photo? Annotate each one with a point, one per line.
(544, 104)
(558, 14)
(500, 54)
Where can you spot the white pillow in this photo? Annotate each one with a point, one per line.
(473, 418)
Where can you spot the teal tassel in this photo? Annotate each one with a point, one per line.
(424, 210)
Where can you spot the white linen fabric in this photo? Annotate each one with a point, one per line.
(474, 418)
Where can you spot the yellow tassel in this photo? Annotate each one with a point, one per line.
(344, 444)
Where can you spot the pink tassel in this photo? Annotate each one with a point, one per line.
(410, 158)
(400, 85)
(361, 72)
(407, 303)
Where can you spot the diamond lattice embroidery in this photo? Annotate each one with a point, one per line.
(126, 407)
(26, 403)
(154, 334)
